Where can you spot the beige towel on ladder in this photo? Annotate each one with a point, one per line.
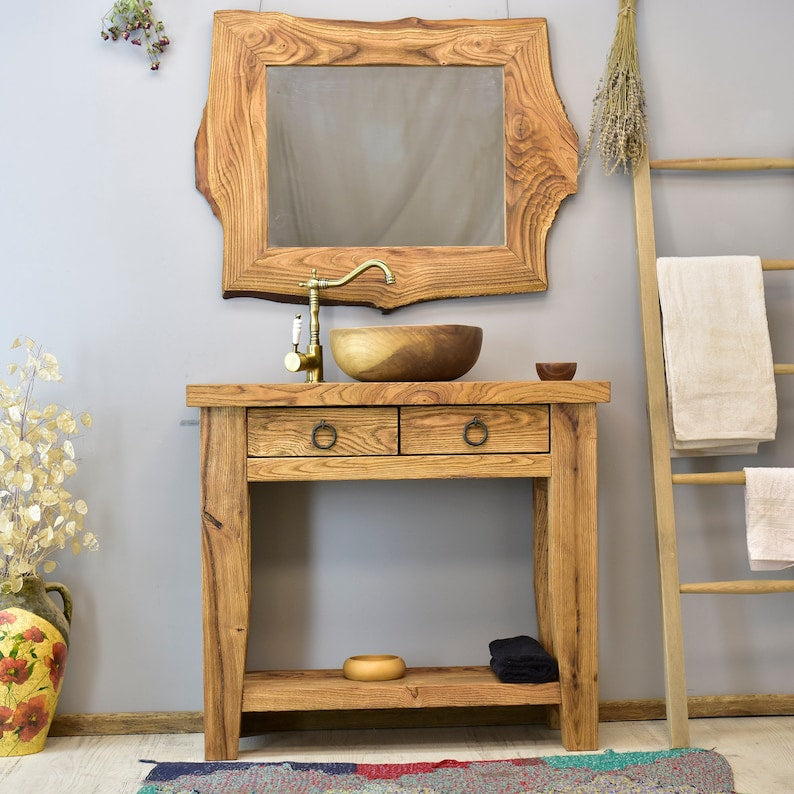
(769, 509)
(718, 357)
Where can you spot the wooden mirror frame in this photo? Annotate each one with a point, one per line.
(231, 154)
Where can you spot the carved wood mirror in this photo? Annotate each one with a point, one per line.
(257, 71)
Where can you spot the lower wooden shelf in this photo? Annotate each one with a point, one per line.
(420, 687)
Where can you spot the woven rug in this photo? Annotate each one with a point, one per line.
(666, 772)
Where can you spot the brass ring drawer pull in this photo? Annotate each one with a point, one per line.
(476, 423)
(323, 425)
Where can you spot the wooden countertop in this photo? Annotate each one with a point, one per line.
(218, 395)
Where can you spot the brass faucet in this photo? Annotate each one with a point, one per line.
(311, 361)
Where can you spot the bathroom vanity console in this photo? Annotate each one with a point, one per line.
(543, 430)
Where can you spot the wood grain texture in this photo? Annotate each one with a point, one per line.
(127, 723)
(699, 707)
(566, 513)
(540, 566)
(231, 154)
(656, 395)
(399, 467)
(709, 478)
(289, 432)
(226, 574)
(741, 586)
(663, 504)
(421, 687)
(723, 164)
(180, 722)
(500, 428)
(421, 393)
(406, 352)
(555, 370)
(573, 570)
(777, 264)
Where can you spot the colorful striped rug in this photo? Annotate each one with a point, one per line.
(667, 772)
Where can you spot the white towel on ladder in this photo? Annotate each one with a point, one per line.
(769, 509)
(718, 357)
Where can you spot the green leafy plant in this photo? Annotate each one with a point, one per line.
(38, 516)
(134, 21)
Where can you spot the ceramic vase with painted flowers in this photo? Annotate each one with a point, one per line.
(38, 518)
(34, 638)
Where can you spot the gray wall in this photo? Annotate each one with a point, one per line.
(111, 258)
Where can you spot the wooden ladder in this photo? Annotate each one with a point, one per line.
(661, 469)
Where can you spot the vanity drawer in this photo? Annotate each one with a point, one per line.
(310, 432)
(490, 428)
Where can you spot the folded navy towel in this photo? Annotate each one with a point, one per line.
(522, 660)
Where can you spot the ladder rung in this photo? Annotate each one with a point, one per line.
(777, 264)
(784, 369)
(723, 164)
(743, 586)
(709, 478)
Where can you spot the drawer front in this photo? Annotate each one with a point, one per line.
(313, 432)
(462, 429)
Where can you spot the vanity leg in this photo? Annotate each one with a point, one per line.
(573, 569)
(540, 555)
(225, 575)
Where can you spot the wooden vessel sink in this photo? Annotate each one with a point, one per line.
(406, 352)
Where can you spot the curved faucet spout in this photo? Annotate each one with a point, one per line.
(323, 283)
(312, 360)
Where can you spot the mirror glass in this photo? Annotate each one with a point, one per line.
(385, 155)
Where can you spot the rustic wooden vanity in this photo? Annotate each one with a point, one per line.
(545, 431)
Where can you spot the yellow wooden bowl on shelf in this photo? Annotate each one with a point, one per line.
(391, 353)
(373, 667)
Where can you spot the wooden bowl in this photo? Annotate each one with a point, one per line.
(374, 667)
(556, 370)
(406, 352)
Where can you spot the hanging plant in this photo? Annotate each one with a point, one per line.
(619, 117)
(133, 21)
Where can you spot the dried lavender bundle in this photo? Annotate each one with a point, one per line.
(619, 117)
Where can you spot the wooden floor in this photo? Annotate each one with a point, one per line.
(759, 749)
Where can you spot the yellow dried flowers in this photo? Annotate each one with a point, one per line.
(38, 516)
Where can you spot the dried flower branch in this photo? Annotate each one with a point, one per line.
(38, 516)
(619, 117)
(132, 20)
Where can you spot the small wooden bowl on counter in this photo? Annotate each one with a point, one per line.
(556, 370)
(373, 667)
